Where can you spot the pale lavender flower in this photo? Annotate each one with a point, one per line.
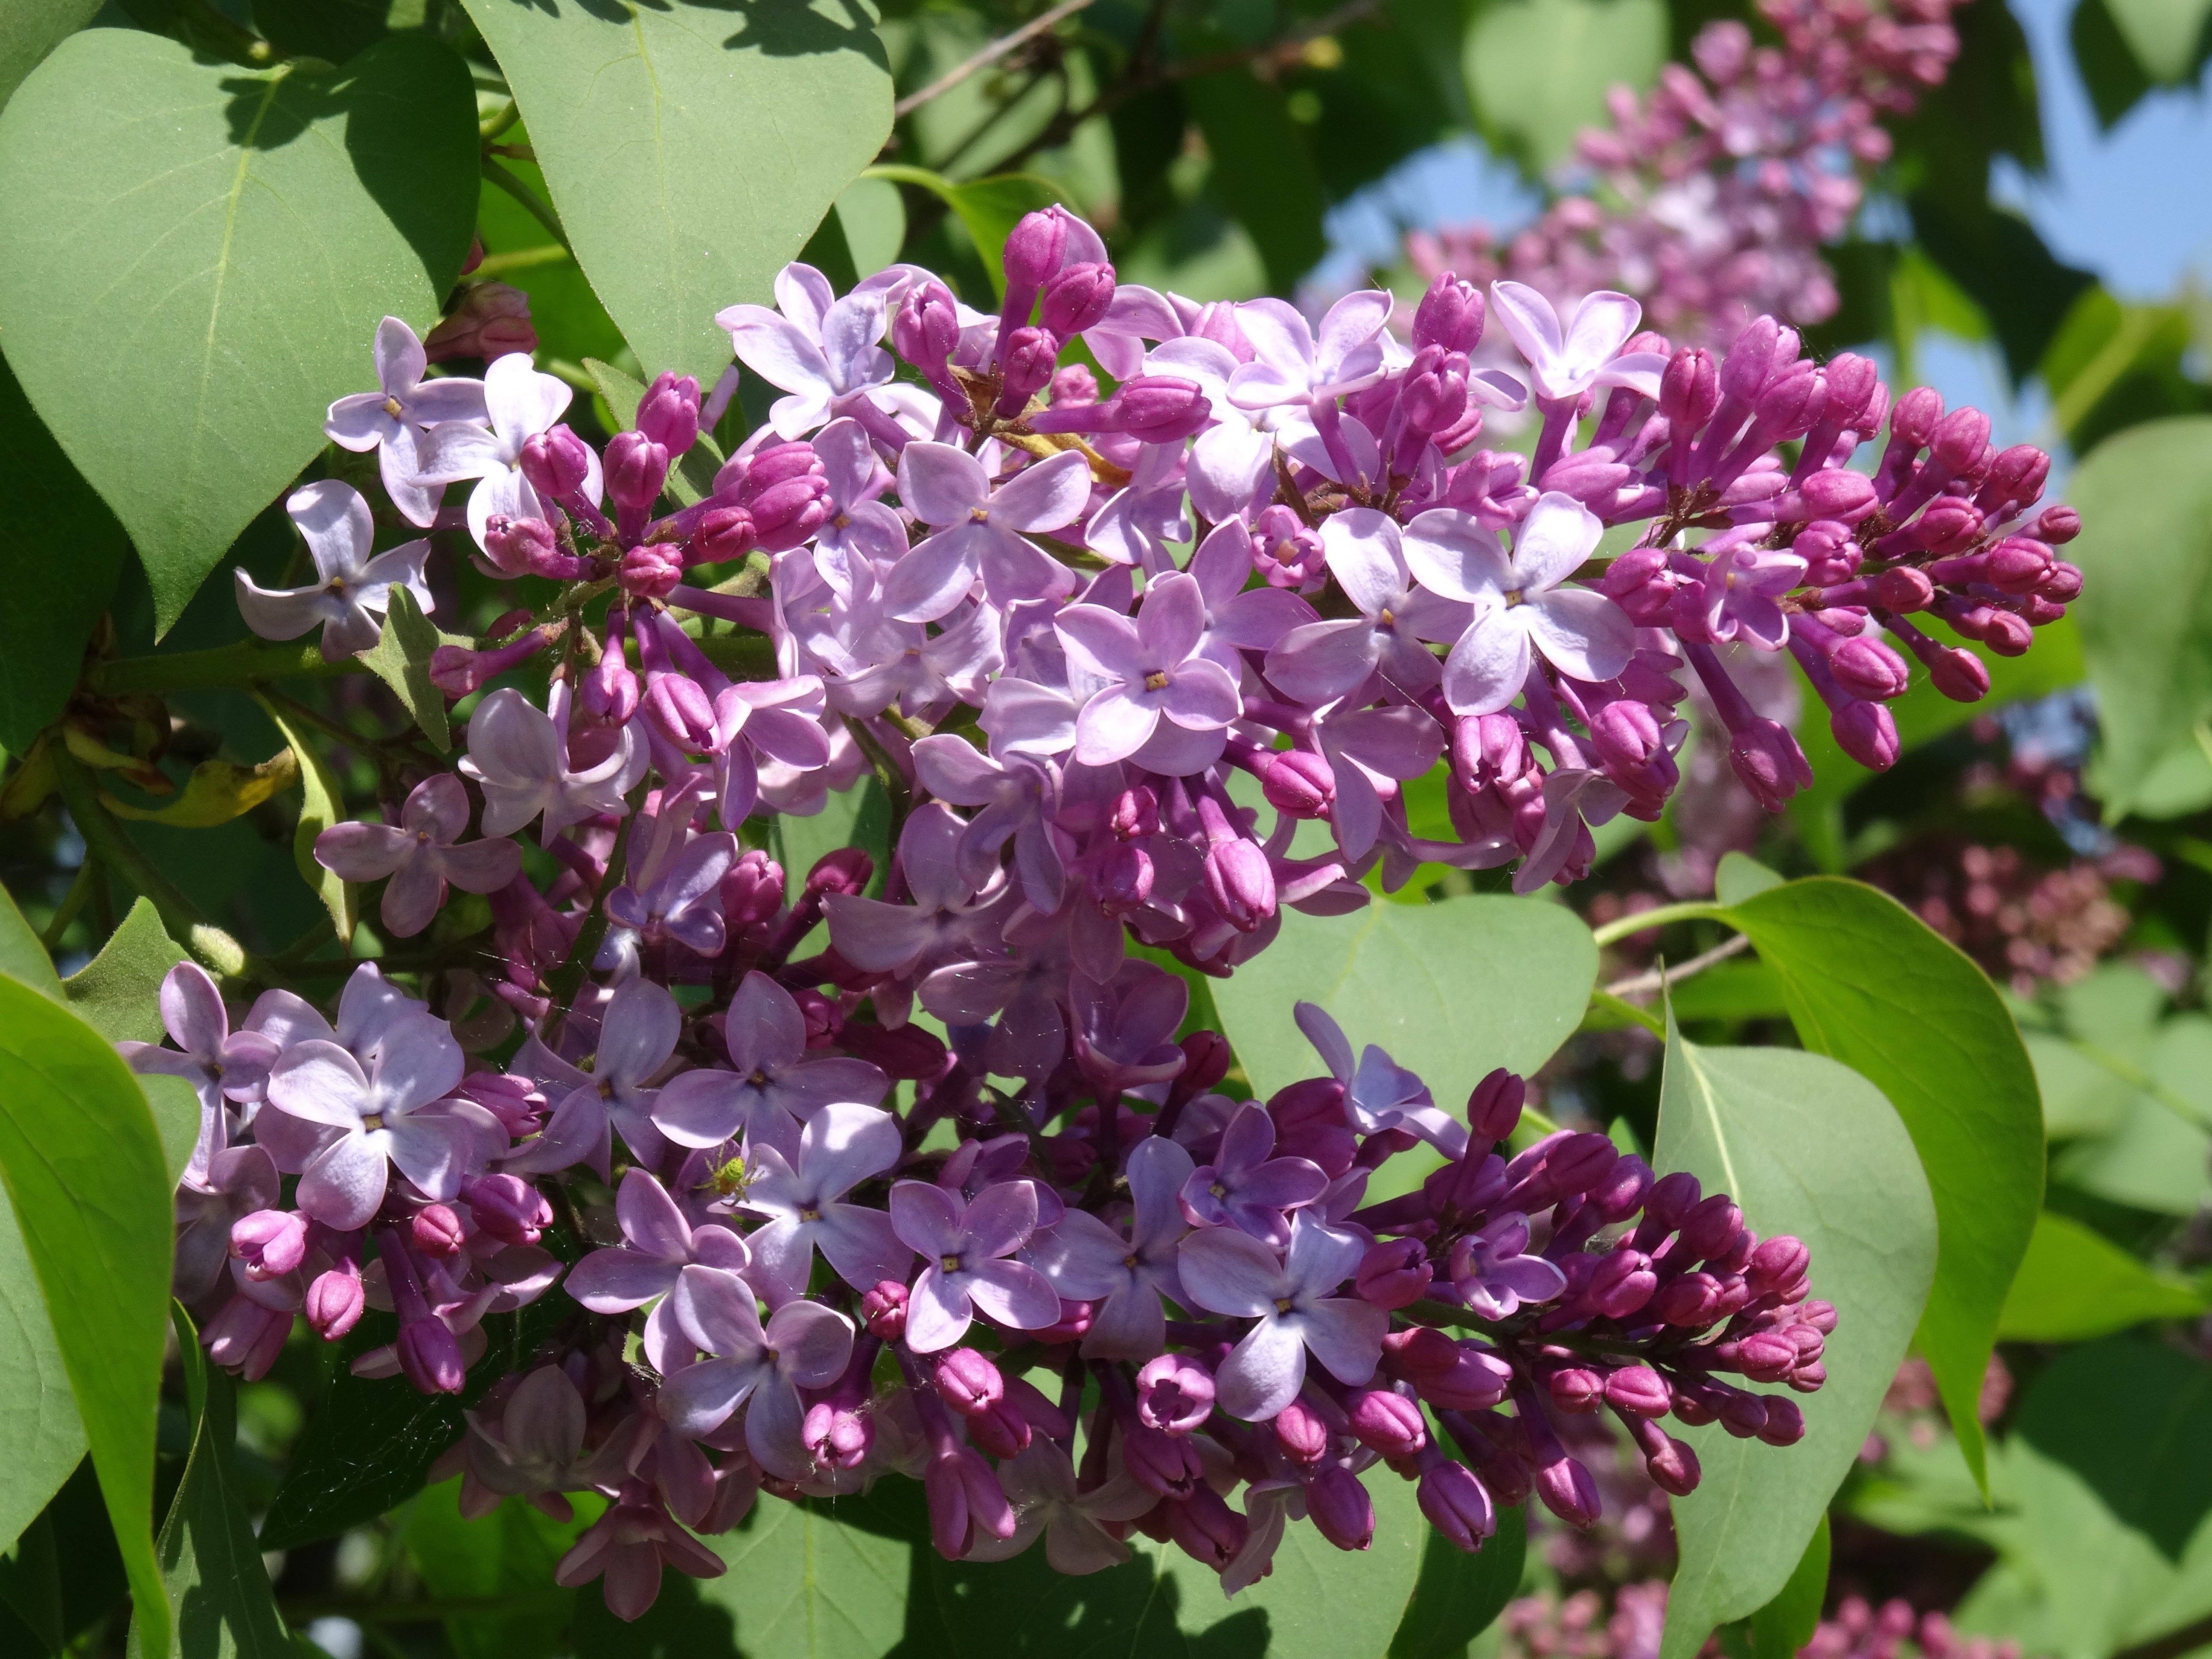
(658, 1244)
(1293, 363)
(532, 1446)
(1248, 1188)
(1145, 671)
(965, 1247)
(421, 855)
(760, 725)
(391, 419)
(821, 349)
(842, 1145)
(353, 588)
(1495, 1275)
(1228, 1272)
(394, 1112)
(1015, 794)
(519, 754)
(638, 1031)
(774, 1085)
(979, 529)
(1587, 353)
(237, 1181)
(1741, 587)
(1040, 1482)
(1519, 601)
(1318, 662)
(520, 403)
(860, 530)
(221, 1065)
(804, 1345)
(674, 890)
(1088, 1261)
(1238, 620)
(1379, 1094)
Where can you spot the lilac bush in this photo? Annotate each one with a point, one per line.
(1106, 652)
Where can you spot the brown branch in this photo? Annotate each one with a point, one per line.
(1644, 984)
(989, 54)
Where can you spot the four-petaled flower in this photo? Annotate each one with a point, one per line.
(391, 419)
(1319, 661)
(775, 1083)
(354, 589)
(420, 854)
(638, 1030)
(1040, 1482)
(519, 753)
(803, 1346)
(801, 1199)
(1228, 1272)
(1143, 671)
(964, 1248)
(1588, 353)
(1245, 1187)
(1088, 1261)
(979, 525)
(658, 1244)
(520, 403)
(221, 1065)
(1493, 1273)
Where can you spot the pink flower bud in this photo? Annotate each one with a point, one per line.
(842, 870)
(650, 571)
(968, 1382)
(1689, 389)
(668, 412)
(520, 547)
(1240, 882)
(1419, 1351)
(1449, 315)
(1958, 674)
(1477, 1381)
(837, 1438)
(1456, 1504)
(1837, 492)
(1852, 380)
(270, 1243)
(1494, 1109)
(430, 1355)
(965, 1500)
(334, 1303)
(491, 320)
(1389, 1422)
(788, 513)
(1767, 1356)
(883, 1310)
(1637, 1389)
(436, 1230)
(723, 533)
(1575, 1389)
(508, 1207)
(1866, 732)
(1395, 1273)
(927, 327)
(2058, 525)
(1027, 358)
(1136, 812)
(679, 706)
(1688, 1301)
(1034, 249)
(1785, 1425)
(1750, 359)
(556, 463)
(1161, 1462)
(1957, 440)
(1915, 416)
(1174, 1394)
(1341, 1508)
(1671, 1198)
(1001, 1429)
(1768, 762)
(1620, 1284)
(1076, 298)
(1205, 1528)
(1301, 1433)
(2064, 585)
(1569, 1491)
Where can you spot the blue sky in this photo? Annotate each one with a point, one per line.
(2134, 205)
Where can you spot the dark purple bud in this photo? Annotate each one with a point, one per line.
(2018, 564)
(1671, 1464)
(1449, 315)
(1123, 881)
(883, 1310)
(436, 1230)
(968, 1382)
(1709, 1227)
(1494, 1109)
(842, 870)
(1301, 1433)
(1421, 1351)
(1620, 1284)
(668, 412)
(334, 1303)
(1689, 1301)
(1076, 299)
(1389, 1422)
(1671, 1198)
(1638, 1390)
(1569, 1491)
(1621, 1194)
(1456, 1504)
(1207, 1057)
(430, 1355)
(270, 1243)
(1767, 1356)
(1299, 782)
(556, 463)
(1477, 1381)
(508, 1207)
(1395, 1273)
(1903, 589)
(1785, 1425)
(1001, 1429)
(1174, 1394)
(1575, 1389)
(1161, 1462)
(1136, 812)
(1206, 1530)
(1866, 732)
(1578, 1163)
(1341, 1508)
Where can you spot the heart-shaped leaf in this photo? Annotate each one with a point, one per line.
(194, 258)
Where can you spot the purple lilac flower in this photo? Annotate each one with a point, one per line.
(803, 1346)
(1146, 670)
(775, 1083)
(1041, 1483)
(637, 1034)
(1246, 1188)
(391, 419)
(353, 589)
(517, 754)
(963, 1249)
(980, 530)
(658, 1244)
(801, 1200)
(420, 854)
(1494, 1275)
(223, 1066)
(1228, 1272)
(520, 404)
(1087, 1260)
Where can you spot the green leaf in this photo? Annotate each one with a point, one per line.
(372, 1440)
(1869, 983)
(254, 227)
(211, 1561)
(858, 816)
(2145, 551)
(2110, 71)
(82, 1168)
(401, 659)
(119, 991)
(2113, 1471)
(38, 1413)
(1741, 877)
(1806, 1146)
(322, 805)
(31, 1589)
(1451, 989)
(873, 215)
(29, 29)
(2167, 36)
(989, 209)
(1263, 171)
(21, 956)
(1539, 70)
(2153, 1156)
(1786, 1624)
(691, 148)
(45, 622)
(217, 792)
(1458, 1596)
(2076, 1283)
(509, 1555)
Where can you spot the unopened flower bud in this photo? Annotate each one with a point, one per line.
(1301, 1433)
(1026, 360)
(680, 707)
(1341, 1508)
(668, 412)
(334, 1303)
(837, 1438)
(1866, 732)
(1767, 761)
(883, 1310)
(492, 320)
(1456, 1504)
(520, 547)
(1575, 1389)
(968, 1381)
(1958, 674)
(842, 870)
(1001, 1429)
(508, 1208)
(556, 463)
(1785, 1425)
(1638, 1390)
(1386, 1421)
(1449, 315)
(927, 327)
(1299, 782)
(1162, 1462)
(436, 1230)
(1620, 1284)
(651, 571)
(1076, 298)
(1206, 1530)
(430, 1356)
(1477, 1381)
(1136, 812)
(270, 1243)
(1420, 1351)
(1395, 1273)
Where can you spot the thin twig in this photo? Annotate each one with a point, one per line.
(990, 54)
(538, 208)
(1655, 979)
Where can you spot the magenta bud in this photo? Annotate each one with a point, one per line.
(1449, 315)
(1866, 732)
(556, 463)
(1959, 675)
(1837, 492)
(1689, 389)
(1851, 379)
(1123, 881)
(1902, 588)
(1136, 812)
(1160, 409)
(1620, 1284)
(1001, 1429)
(1240, 882)
(1785, 1425)
(651, 572)
(430, 1355)
(668, 412)
(1768, 762)
(1579, 1162)
(436, 1230)
(2058, 525)
(1575, 1389)
(1867, 668)
(1915, 416)
(1076, 298)
(1569, 1491)
(1034, 249)
(1301, 1434)
(270, 1243)
(1638, 1390)
(1672, 1465)
(927, 327)
(964, 1498)
(1767, 1356)
(722, 533)
(1340, 1508)
(609, 691)
(1207, 1057)
(1421, 1351)
(842, 870)
(334, 1303)
(1709, 1227)
(1161, 1462)
(1792, 401)
(1395, 1273)
(1750, 358)
(1488, 749)
(679, 706)
(1621, 1194)
(1205, 1528)
(1688, 1301)
(2064, 584)
(1671, 1198)
(1958, 439)
(1477, 1381)
(1778, 1263)
(520, 547)
(508, 1207)
(752, 892)
(837, 1438)
(491, 320)
(1456, 1504)
(1174, 1394)
(883, 1310)
(968, 1382)
(1389, 1422)
(1494, 1109)
(1026, 359)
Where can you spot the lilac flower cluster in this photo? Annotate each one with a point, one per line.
(1710, 198)
(1199, 1277)
(1108, 650)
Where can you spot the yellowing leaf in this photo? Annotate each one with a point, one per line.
(217, 792)
(323, 805)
